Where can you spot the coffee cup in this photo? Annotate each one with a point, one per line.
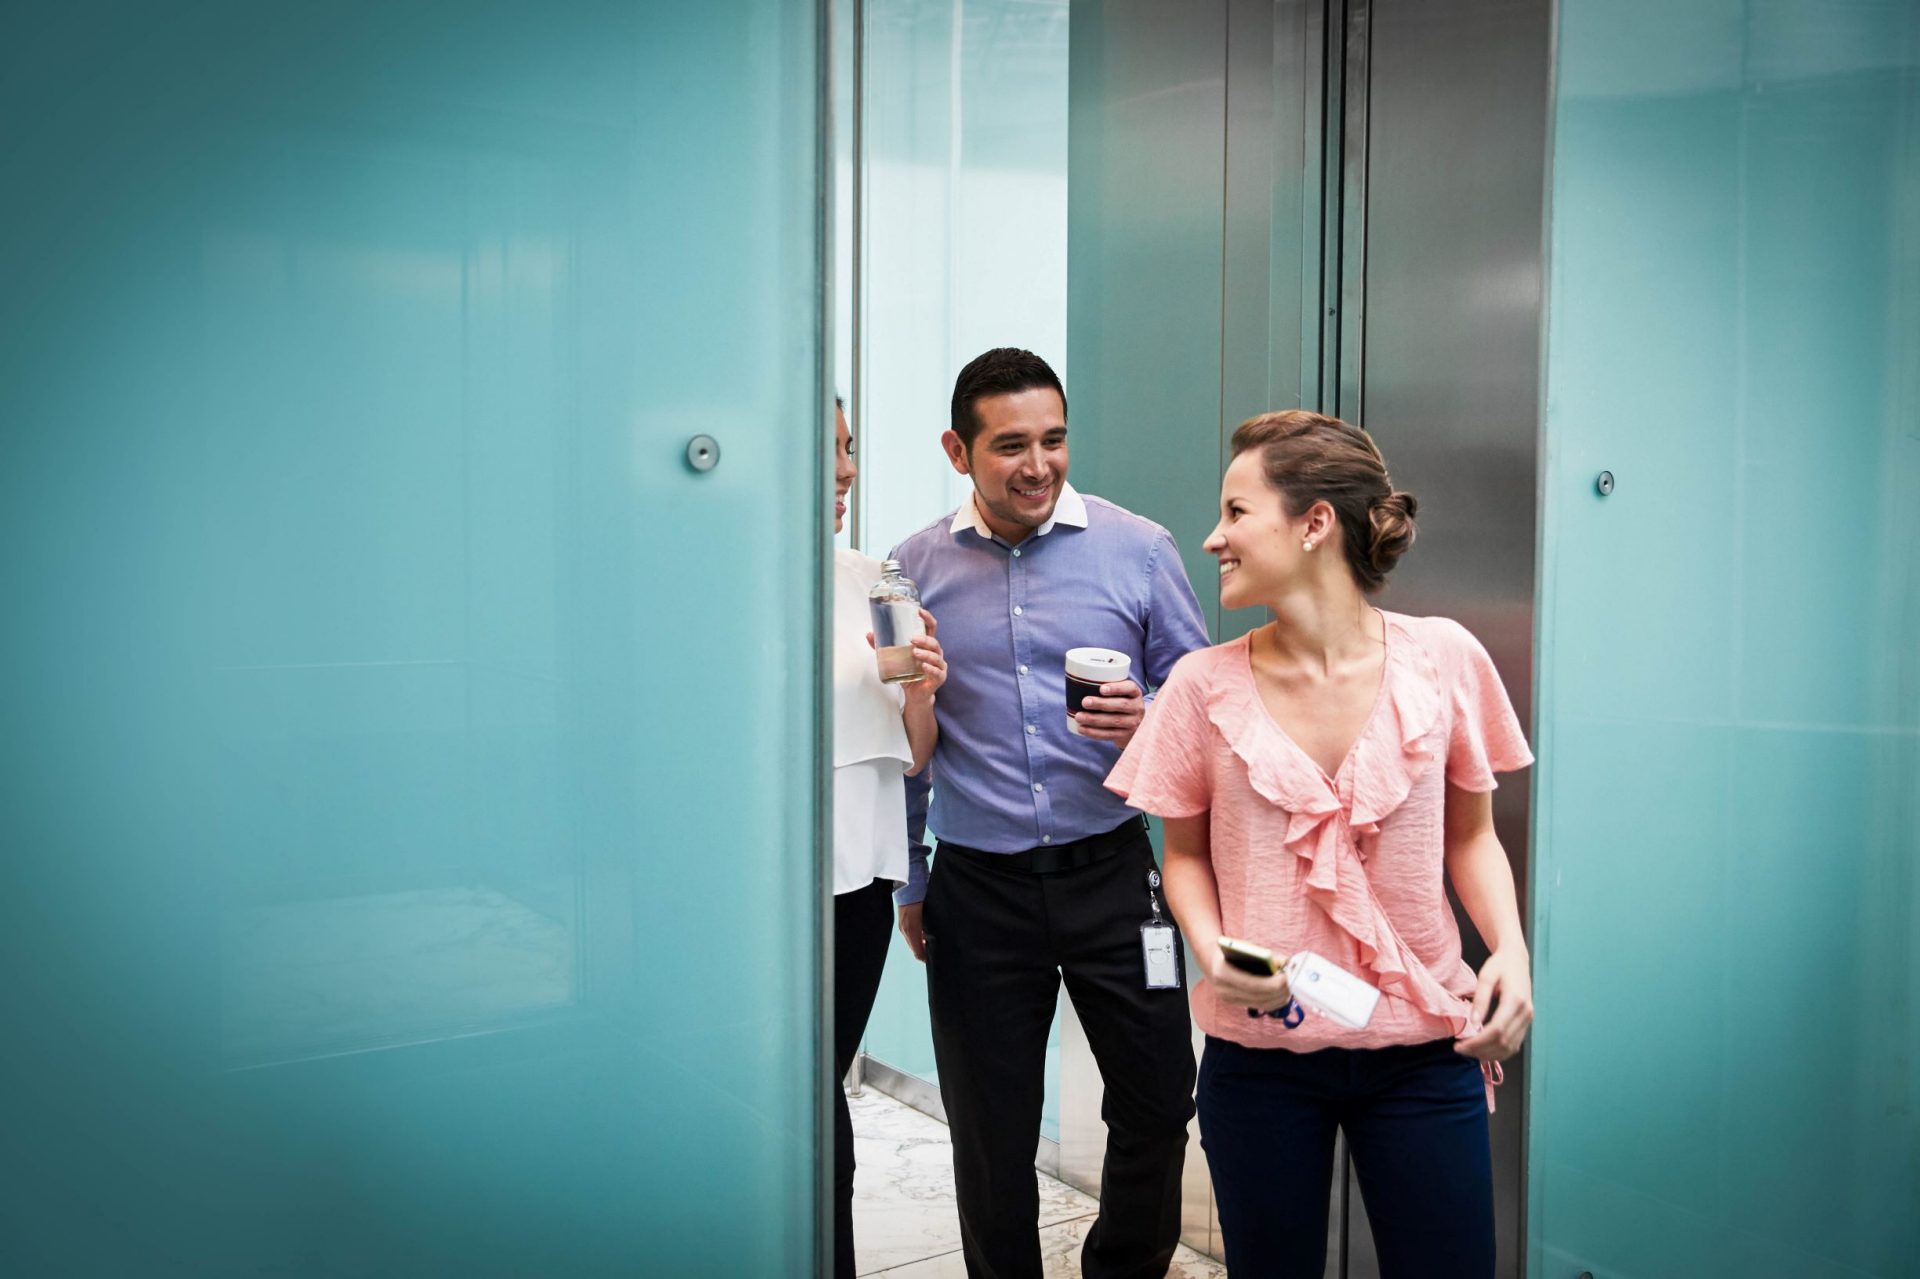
(1087, 670)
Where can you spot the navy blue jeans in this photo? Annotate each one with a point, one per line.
(1416, 1122)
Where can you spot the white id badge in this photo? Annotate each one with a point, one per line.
(1157, 943)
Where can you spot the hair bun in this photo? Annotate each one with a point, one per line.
(1307, 458)
(1393, 531)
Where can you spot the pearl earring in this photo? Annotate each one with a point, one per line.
(1306, 546)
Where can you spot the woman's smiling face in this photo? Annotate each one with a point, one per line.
(1256, 541)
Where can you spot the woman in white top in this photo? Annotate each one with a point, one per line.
(882, 734)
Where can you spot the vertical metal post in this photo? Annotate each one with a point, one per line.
(1344, 302)
(1333, 366)
(824, 237)
(857, 246)
(1355, 97)
(1313, 307)
(1332, 167)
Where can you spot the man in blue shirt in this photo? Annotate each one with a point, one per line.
(1042, 873)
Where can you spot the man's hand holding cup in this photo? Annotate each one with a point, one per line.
(1103, 702)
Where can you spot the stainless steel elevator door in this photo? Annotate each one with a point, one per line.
(1335, 204)
(1455, 186)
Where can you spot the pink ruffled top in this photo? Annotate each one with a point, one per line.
(1352, 866)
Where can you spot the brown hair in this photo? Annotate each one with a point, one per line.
(1311, 458)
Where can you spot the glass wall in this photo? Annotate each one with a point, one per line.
(964, 229)
(964, 247)
(1727, 1061)
(410, 831)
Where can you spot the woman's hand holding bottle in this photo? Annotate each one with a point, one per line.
(929, 672)
(929, 658)
(932, 661)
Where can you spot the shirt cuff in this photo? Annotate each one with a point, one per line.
(914, 891)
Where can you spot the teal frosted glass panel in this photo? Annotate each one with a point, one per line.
(1725, 1065)
(409, 768)
(964, 247)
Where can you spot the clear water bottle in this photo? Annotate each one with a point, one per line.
(895, 602)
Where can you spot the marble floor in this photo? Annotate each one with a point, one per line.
(904, 1223)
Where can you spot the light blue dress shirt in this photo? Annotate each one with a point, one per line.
(1007, 775)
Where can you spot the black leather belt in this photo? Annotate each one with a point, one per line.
(1049, 859)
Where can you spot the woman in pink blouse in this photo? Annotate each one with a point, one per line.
(1321, 780)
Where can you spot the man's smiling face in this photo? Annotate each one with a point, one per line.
(1018, 460)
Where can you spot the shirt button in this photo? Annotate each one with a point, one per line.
(1046, 839)
(1031, 730)
(1023, 670)
(1016, 552)
(1016, 610)
(1038, 787)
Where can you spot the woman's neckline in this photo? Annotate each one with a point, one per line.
(1388, 649)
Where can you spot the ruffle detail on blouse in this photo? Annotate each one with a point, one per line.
(1395, 748)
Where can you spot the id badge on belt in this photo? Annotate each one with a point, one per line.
(1159, 943)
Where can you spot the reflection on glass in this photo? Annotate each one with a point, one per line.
(313, 977)
(389, 720)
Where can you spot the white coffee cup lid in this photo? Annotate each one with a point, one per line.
(1102, 664)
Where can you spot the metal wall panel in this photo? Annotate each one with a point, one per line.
(1455, 174)
(1146, 181)
(1271, 239)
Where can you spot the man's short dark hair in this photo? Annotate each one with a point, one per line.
(1005, 370)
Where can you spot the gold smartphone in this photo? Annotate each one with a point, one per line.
(1249, 958)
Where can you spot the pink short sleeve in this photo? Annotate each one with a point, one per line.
(1167, 769)
(1486, 737)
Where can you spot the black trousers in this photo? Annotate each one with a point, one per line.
(1000, 938)
(862, 931)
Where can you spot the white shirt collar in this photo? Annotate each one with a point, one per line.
(1070, 510)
